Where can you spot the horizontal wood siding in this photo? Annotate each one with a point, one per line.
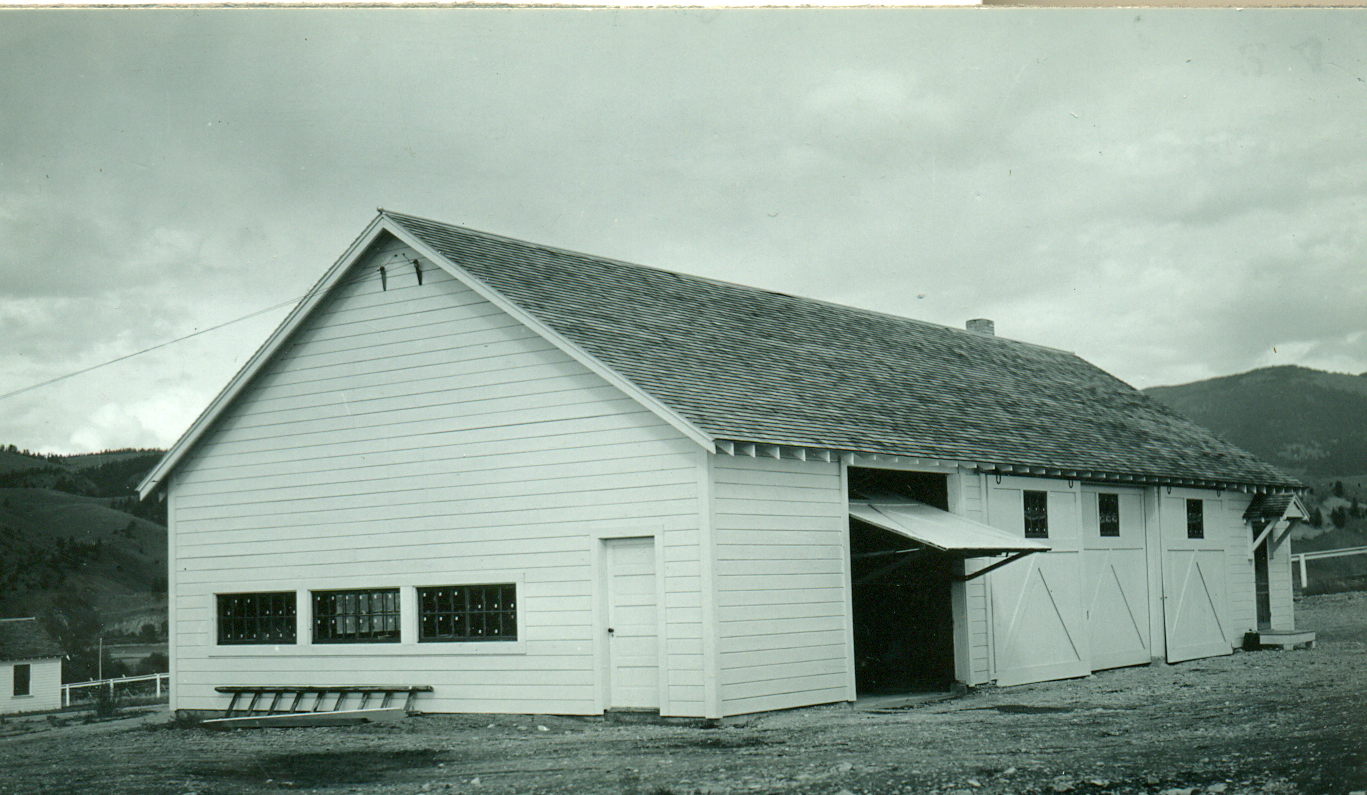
(1279, 580)
(780, 529)
(976, 669)
(44, 686)
(1239, 579)
(420, 436)
(1242, 580)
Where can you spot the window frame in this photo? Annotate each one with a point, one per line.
(391, 614)
(507, 616)
(1196, 520)
(1108, 520)
(289, 617)
(26, 679)
(1035, 518)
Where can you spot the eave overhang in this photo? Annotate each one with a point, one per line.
(875, 458)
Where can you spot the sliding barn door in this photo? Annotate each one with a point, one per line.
(1115, 577)
(1038, 630)
(1195, 614)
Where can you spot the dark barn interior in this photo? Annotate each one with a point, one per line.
(903, 623)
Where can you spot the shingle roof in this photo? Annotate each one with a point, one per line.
(1271, 507)
(750, 365)
(25, 639)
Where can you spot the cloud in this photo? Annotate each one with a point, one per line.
(1169, 193)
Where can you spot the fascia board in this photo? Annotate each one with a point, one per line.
(555, 338)
(264, 354)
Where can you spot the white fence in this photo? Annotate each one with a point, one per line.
(162, 682)
(1301, 557)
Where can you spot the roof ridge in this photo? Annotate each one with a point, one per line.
(723, 282)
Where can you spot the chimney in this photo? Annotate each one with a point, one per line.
(981, 325)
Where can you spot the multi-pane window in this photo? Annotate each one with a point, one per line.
(256, 618)
(1036, 514)
(1108, 514)
(365, 616)
(1196, 520)
(22, 673)
(467, 612)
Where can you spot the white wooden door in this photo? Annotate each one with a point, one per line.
(1195, 616)
(1115, 577)
(1038, 631)
(632, 614)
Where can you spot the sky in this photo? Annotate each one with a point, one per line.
(1172, 194)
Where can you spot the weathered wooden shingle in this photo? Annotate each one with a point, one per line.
(756, 366)
(25, 639)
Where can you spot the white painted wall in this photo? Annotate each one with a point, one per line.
(45, 686)
(782, 584)
(421, 436)
(1239, 577)
(972, 603)
(1038, 629)
(1280, 582)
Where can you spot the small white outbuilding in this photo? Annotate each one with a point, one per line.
(30, 667)
(545, 482)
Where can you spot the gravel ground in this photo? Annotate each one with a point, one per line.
(1253, 722)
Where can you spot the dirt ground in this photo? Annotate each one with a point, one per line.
(1253, 722)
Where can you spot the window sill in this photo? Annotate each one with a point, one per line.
(426, 649)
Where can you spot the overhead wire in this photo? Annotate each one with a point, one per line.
(149, 350)
(359, 277)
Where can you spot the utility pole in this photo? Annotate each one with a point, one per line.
(100, 664)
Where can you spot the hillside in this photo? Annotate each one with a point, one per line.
(73, 552)
(1310, 424)
(13, 460)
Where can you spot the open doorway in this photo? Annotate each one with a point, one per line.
(1262, 586)
(903, 621)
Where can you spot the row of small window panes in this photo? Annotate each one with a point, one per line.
(479, 612)
(371, 615)
(1108, 515)
(256, 618)
(469, 612)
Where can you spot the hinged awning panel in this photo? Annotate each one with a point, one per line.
(941, 530)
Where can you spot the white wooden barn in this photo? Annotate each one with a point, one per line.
(30, 667)
(545, 482)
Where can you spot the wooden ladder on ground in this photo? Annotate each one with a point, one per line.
(322, 696)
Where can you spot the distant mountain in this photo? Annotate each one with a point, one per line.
(1309, 423)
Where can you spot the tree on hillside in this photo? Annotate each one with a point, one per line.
(73, 623)
(1355, 510)
(1317, 518)
(1338, 489)
(1339, 516)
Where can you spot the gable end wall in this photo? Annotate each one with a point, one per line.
(418, 435)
